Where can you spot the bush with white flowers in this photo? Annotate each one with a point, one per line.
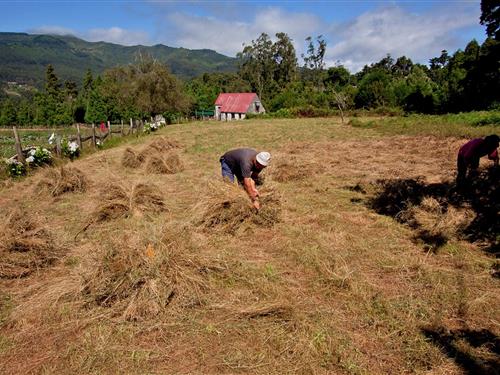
(39, 156)
(70, 149)
(151, 127)
(15, 168)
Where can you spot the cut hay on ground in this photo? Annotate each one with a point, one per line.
(132, 159)
(163, 144)
(227, 208)
(133, 280)
(168, 164)
(119, 201)
(292, 168)
(137, 283)
(25, 245)
(62, 180)
(285, 172)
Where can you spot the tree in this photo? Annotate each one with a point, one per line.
(8, 115)
(337, 77)
(285, 59)
(52, 85)
(96, 110)
(70, 90)
(314, 59)
(490, 17)
(257, 65)
(375, 90)
(155, 89)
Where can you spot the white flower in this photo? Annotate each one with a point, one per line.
(30, 159)
(32, 152)
(52, 138)
(47, 152)
(73, 146)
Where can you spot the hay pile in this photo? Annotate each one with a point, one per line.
(159, 156)
(63, 180)
(138, 281)
(120, 201)
(168, 164)
(132, 159)
(25, 245)
(228, 209)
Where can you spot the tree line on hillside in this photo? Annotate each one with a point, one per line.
(463, 81)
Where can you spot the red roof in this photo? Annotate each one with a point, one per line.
(235, 102)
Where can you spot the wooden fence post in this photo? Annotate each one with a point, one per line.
(131, 126)
(93, 135)
(58, 146)
(79, 137)
(19, 148)
(121, 130)
(109, 129)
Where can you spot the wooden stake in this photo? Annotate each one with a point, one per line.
(93, 135)
(79, 136)
(19, 148)
(109, 129)
(58, 146)
(131, 126)
(121, 130)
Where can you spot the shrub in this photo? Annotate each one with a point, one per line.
(39, 156)
(15, 168)
(70, 149)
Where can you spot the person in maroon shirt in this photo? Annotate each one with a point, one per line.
(470, 153)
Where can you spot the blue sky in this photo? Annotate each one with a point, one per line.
(357, 32)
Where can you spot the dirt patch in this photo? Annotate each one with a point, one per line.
(63, 180)
(25, 245)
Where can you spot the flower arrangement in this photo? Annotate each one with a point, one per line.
(39, 156)
(71, 149)
(15, 168)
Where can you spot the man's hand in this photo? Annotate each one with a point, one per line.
(256, 204)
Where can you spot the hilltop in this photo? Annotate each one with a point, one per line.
(24, 57)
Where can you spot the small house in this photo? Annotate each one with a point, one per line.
(234, 106)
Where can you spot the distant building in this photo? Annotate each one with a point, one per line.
(235, 106)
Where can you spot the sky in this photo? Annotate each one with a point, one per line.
(357, 32)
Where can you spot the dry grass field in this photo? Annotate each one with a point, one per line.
(363, 260)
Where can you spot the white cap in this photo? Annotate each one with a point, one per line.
(263, 158)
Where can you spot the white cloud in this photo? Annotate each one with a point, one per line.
(112, 35)
(53, 30)
(392, 30)
(117, 35)
(226, 36)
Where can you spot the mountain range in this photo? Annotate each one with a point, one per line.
(24, 58)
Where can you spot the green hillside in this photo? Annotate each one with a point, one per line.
(24, 57)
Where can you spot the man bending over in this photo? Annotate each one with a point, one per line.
(245, 164)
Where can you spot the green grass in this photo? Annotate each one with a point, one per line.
(471, 124)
